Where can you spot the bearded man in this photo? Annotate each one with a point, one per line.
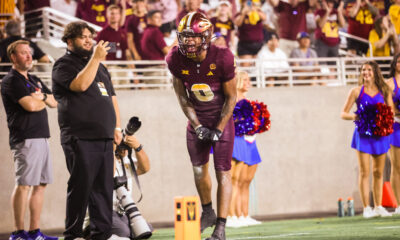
(88, 117)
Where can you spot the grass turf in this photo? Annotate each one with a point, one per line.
(353, 228)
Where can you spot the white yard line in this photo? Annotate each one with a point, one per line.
(272, 236)
(388, 227)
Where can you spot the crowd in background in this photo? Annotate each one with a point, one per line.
(269, 29)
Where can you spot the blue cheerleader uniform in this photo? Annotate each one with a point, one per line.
(395, 137)
(245, 150)
(370, 144)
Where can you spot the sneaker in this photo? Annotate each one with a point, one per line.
(38, 235)
(20, 236)
(396, 211)
(381, 211)
(369, 213)
(115, 237)
(242, 221)
(251, 221)
(208, 219)
(234, 222)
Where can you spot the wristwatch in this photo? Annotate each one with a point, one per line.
(139, 148)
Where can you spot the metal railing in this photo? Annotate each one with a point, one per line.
(315, 71)
(48, 23)
(353, 37)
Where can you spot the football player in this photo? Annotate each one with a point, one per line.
(204, 82)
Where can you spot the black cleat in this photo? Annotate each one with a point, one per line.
(218, 234)
(208, 219)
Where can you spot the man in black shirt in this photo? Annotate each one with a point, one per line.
(13, 30)
(88, 116)
(25, 98)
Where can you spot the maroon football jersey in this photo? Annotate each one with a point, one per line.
(203, 80)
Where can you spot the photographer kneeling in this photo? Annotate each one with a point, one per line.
(127, 222)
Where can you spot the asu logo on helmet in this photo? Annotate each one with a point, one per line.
(194, 34)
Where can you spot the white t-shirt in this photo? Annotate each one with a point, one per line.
(63, 6)
(273, 61)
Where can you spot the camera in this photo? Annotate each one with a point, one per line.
(132, 126)
(139, 227)
(130, 129)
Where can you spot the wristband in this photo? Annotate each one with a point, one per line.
(44, 97)
(197, 127)
(119, 129)
(139, 148)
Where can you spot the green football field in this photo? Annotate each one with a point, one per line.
(316, 228)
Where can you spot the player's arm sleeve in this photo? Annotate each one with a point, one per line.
(229, 65)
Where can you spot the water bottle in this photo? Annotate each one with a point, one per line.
(340, 212)
(350, 207)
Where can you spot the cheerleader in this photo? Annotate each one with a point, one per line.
(371, 90)
(245, 159)
(393, 83)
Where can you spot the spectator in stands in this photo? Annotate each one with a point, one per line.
(383, 37)
(273, 59)
(271, 20)
(135, 28)
(13, 31)
(33, 22)
(291, 21)
(219, 40)
(328, 21)
(250, 26)
(190, 6)
(153, 44)
(116, 36)
(7, 8)
(304, 51)
(93, 11)
(223, 22)
(394, 14)
(128, 8)
(169, 11)
(361, 15)
(65, 6)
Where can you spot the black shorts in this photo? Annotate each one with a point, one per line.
(360, 47)
(249, 48)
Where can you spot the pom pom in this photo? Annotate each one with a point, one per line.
(384, 120)
(242, 117)
(251, 117)
(374, 119)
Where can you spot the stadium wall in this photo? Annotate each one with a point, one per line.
(307, 159)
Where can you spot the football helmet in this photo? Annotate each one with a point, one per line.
(194, 25)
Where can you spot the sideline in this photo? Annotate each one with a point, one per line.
(272, 236)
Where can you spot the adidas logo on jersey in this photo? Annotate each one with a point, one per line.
(210, 73)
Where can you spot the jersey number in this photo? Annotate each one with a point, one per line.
(364, 17)
(202, 92)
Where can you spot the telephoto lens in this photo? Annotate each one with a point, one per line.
(132, 126)
(140, 228)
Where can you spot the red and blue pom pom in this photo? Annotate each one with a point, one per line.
(374, 119)
(251, 117)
